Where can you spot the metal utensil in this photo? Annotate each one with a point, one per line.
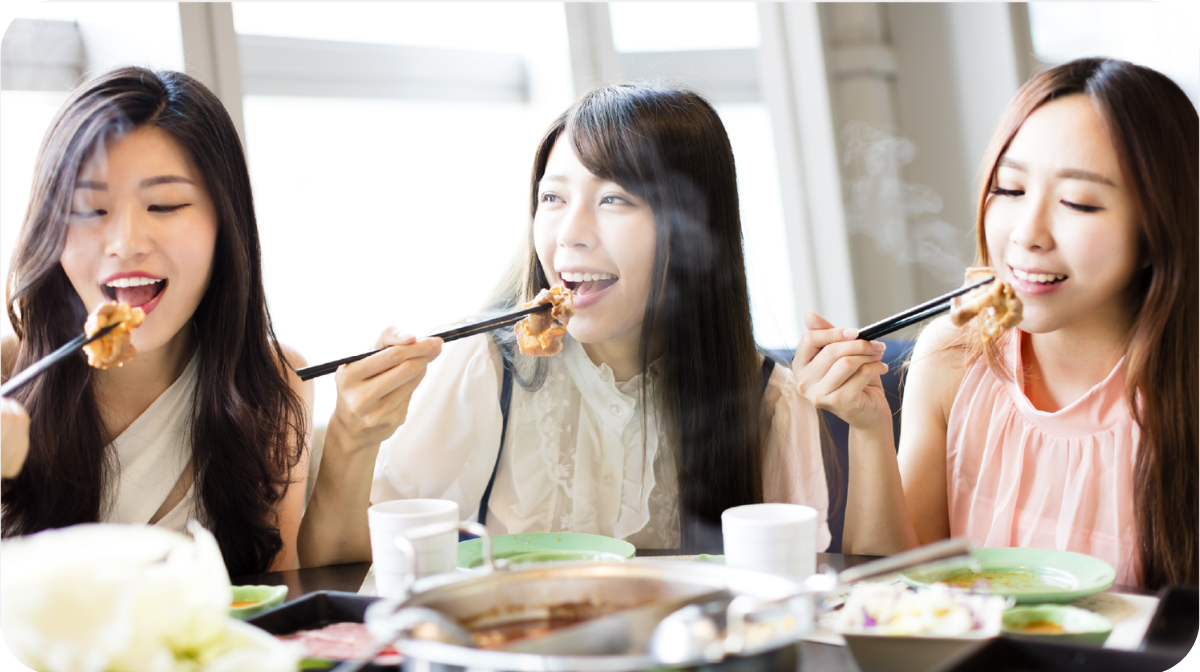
(622, 633)
(692, 634)
(42, 365)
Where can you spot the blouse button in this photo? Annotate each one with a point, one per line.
(616, 410)
(608, 479)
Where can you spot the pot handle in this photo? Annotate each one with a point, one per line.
(404, 543)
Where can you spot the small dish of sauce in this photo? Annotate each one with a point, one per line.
(1040, 628)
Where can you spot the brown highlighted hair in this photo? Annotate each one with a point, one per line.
(248, 426)
(1154, 128)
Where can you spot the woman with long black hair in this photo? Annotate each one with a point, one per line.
(141, 195)
(659, 413)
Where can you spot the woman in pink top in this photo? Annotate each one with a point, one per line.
(1076, 431)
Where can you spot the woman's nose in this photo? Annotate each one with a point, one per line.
(578, 228)
(128, 234)
(1034, 230)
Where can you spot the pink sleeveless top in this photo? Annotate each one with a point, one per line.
(1017, 476)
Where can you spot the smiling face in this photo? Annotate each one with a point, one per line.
(142, 230)
(599, 239)
(1061, 222)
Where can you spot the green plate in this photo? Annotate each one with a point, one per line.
(260, 598)
(1077, 626)
(1030, 575)
(546, 547)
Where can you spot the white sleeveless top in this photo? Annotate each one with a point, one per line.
(152, 454)
(579, 455)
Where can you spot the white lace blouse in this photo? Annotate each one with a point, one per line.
(573, 457)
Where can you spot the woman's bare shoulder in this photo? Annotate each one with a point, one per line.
(293, 360)
(939, 362)
(8, 353)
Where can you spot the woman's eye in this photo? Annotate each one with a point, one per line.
(167, 208)
(549, 198)
(1081, 207)
(88, 213)
(614, 200)
(997, 191)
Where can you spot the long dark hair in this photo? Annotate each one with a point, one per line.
(248, 426)
(1153, 126)
(668, 146)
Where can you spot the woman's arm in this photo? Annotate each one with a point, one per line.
(14, 425)
(839, 373)
(793, 466)
(933, 380)
(373, 398)
(291, 507)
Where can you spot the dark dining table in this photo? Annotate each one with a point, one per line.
(812, 656)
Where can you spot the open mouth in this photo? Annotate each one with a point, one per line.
(134, 291)
(588, 283)
(1037, 278)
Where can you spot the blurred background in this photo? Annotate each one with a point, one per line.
(390, 144)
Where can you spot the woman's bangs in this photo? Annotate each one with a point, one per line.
(613, 141)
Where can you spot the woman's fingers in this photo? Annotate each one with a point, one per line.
(831, 356)
(834, 369)
(411, 370)
(840, 373)
(849, 394)
(820, 333)
(393, 336)
(373, 393)
(393, 355)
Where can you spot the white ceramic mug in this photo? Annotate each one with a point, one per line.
(776, 538)
(435, 555)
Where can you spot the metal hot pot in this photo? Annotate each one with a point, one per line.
(768, 613)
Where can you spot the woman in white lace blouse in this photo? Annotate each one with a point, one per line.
(660, 412)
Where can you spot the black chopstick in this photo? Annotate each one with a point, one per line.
(51, 359)
(316, 370)
(916, 313)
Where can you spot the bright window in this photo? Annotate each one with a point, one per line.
(21, 111)
(114, 34)
(695, 33)
(388, 211)
(683, 26)
(1163, 36)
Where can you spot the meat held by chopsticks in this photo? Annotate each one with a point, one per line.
(114, 347)
(541, 334)
(996, 304)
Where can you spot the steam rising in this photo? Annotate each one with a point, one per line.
(897, 215)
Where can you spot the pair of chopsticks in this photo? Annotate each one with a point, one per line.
(916, 314)
(310, 372)
(44, 364)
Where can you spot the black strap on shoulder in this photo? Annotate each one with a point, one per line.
(505, 401)
(767, 367)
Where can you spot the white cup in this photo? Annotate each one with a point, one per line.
(779, 539)
(435, 555)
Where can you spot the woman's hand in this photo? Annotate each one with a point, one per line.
(372, 402)
(373, 393)
(14, 437)
(839, 373)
